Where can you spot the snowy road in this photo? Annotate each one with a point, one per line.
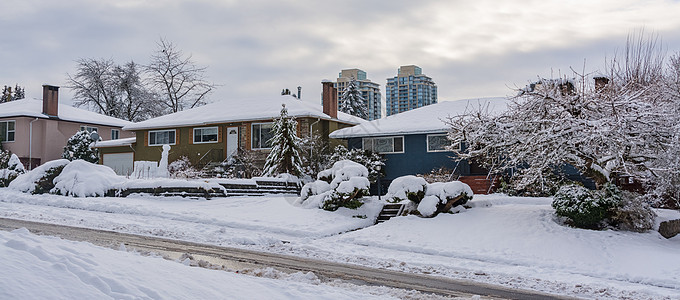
(239, 258)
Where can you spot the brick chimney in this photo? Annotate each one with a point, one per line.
(51, 100)
(329, 99)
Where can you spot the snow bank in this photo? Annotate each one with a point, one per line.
(83, 179)
(26, 182)
(39, 267)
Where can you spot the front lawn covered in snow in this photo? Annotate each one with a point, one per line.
(512, 241)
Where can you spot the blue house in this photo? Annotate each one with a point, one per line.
(414, 142)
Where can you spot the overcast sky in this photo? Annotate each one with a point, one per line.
(256, 48)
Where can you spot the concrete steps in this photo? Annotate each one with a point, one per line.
(389, 211)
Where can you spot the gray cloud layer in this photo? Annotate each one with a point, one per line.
(256, 48)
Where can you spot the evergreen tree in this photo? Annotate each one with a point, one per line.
(352, 102)
(78, 147)
(285, 154)
(8, 94)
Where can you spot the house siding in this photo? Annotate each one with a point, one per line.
(49, 137)
(415, 159)
(201, 154)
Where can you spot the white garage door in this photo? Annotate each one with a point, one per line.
(119, 162)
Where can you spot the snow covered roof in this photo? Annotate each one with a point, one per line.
(33, 108)
(238, 110)
(116, 143)
(426, 119)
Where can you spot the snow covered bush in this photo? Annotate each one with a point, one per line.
(343, 185)
(79, 147)
(442, 196)
(84, 179)
(40, 179)
(182, 168)
(607, 207)
(582, 207)
(10, 168)
(406, 187)
(633, 214)
(372, 161)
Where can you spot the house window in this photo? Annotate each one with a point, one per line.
(262, 134)
(89, 129)
(162, 137)
(437, 142)
(115, 134)
(7, 130)
(391, 144)
(205, 135)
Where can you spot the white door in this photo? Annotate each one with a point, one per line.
(232, 141)
(121, 163)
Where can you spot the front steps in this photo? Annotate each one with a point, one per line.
(389, 211)
(481, 184)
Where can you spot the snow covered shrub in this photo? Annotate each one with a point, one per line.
(79, 147)
(341, 186)
(584, 208)
(40, 179)
(84, 179)
(314, 188)
(315, 154)
(633, 214)
(10, 168)
(372, 161)
(406, 187)
(442, 196)
(182, 168)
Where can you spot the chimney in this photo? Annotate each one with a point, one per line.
(329, 99)
(51, 100)
(299, 92)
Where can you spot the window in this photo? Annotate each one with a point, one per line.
(437, 142)
(261, 135)
(89, 129)
(205, 135)
(115, 134)
(7, 130)
(162, 137)
(392, 144)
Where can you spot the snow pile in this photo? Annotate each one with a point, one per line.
(340, 186)
(83, 179)
(29, 182)
(428, 199)
(11, 169)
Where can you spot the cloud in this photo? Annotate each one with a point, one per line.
(257, 48)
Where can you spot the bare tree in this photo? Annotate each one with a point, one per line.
(177, 80)
(113, 90)
(622, 127)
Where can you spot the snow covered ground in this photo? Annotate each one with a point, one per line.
(515, 242)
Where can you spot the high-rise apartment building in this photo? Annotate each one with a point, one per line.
(369, 90)
(408, 90)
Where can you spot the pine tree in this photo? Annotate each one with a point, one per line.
(285, 154)
(78, 147)
(352, 102)
(8, 94)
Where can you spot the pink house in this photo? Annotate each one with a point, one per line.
(37, 131)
